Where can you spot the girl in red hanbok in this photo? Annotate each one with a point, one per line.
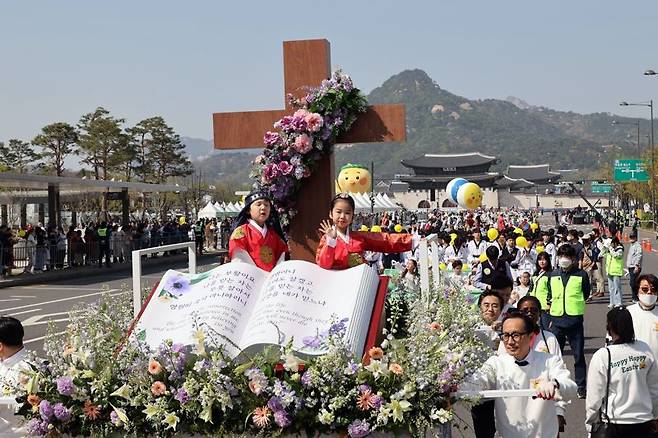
(257, 236)
(341, 248)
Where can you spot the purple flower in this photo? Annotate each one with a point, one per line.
(376, 401)
(46, 410)
(275, 404)
(338, 327)
(284, 124)
(298, 123)
(312, 341)
(285, 168)
(36, 427)
(306, 379)
(299, 172)
(281, 419)
(114, 418)
(352, 368)
(178, 348)
(182, 396)
(363, 388)
(358, 429)
(271, 138)
(65, 385)
(176, 284)
(62, 413)
(270, 172)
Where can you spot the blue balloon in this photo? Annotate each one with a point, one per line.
(453, 187)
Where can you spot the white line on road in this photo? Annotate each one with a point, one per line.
(25, 311)
(9, 299)
(22, 296)
(40, 338)
(57, 301)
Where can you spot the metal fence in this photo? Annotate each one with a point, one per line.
(32, 258)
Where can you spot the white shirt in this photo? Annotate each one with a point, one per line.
(633, 394)
(474, 250)
(451, 253)
(10, 374)
(522, 417)
(645, 325)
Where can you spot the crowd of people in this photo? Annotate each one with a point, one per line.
(37, 248)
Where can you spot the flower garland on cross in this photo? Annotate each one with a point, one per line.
(291, 153)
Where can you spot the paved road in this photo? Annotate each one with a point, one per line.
(36, 305)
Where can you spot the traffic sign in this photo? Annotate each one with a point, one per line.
(630, 170)
(601, 187)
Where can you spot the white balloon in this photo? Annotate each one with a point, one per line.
(453, 187)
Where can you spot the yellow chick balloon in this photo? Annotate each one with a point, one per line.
(483, 258)
(534, 226)
(469, 196)
(353, 178)
(376, 229)
(521, 242)
(492, 234)
(540, 249)
(518, 231)
(442, 266)
(398, 228)
(363, 228)
(181, 220)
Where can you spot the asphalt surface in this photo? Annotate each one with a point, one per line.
(36, 305)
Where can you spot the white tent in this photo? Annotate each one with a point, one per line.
(209, 212)
(382, 203)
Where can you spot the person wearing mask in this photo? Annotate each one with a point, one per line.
(521, 367)
(540, 286)
(568, 290)
(634, 263)
(645, 312)
(490, 305)
(622, 383)
(614, 269)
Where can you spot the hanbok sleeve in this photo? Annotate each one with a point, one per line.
(237, 241)
(385, 242)
(324, 256)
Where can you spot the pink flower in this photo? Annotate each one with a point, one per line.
(271, 138)
(158, 388)
(285, 168)
(154, 367)
(261, 417)
(270, 172)
(314, 122)
(302, 113)
(303, 144)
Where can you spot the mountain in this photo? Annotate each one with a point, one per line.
(441, 122)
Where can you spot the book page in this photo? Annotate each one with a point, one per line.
(220, 301)
(300, 298)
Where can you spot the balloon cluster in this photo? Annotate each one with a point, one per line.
(466, 194)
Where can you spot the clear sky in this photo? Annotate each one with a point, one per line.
(185, 60)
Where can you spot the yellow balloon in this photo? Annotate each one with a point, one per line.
(453, 236)
(492, 234)
(21, 233)
(534, 226)
(539, 249)
(521, 242)
(483, 258)
(376, 229)
(518, 231)
(363, 228)
(469, 196)
(442, 266)
(181, 220)
(398, 228)
(466, 267)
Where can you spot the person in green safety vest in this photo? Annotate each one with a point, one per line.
(613, 251)
(568, 289)
(103, 232)
(540, 286)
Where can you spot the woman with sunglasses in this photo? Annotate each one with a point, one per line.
(341, 248)
(645, 311)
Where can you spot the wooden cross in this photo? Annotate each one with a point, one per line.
(305, 64)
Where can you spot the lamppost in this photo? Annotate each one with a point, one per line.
(653, 150)
(635, 123)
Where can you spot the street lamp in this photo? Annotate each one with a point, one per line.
(653, 149)
(636, 123)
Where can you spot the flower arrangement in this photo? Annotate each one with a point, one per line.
(89, 387)
(301, 139)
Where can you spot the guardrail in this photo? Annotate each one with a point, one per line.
(137, 267)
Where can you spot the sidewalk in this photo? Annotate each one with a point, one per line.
(92, 271)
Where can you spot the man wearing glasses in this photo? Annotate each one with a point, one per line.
(645, 312)
(520, 367)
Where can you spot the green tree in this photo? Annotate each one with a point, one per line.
(101, 141)
(58, 140)
(18, 156)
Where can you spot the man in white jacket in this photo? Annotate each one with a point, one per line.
(522, 368)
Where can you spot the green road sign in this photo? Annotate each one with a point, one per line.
(630, 170)
(601, 187)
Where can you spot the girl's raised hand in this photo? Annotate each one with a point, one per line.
(327, 229)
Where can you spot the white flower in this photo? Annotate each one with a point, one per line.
(383, 415)
(377, 368)
(291, 362)
(325, 417)
(441, 415)
(398, 408)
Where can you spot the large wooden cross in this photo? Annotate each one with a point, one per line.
(305, 64)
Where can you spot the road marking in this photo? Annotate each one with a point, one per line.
(58, 301)
(9, 299)
(22, 296)
(25, 311)
(40, 338)
(31, 323)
